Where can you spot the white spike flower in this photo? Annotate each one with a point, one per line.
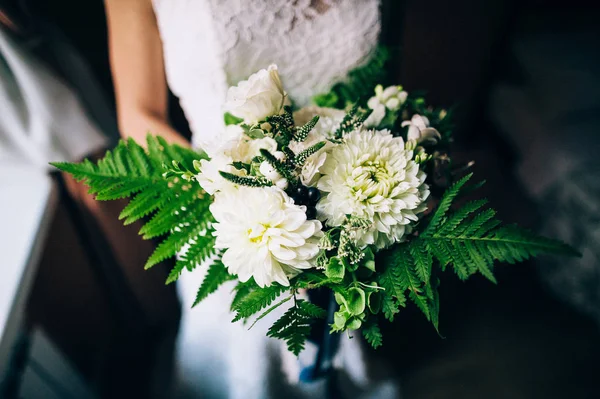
(371, 175)
(264, 234)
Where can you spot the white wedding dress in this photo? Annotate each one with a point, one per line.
(208, 46)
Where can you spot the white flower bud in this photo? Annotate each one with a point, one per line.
(390, 99)
(279, 155)
(281, 183)
(419, 130)
(269, 171)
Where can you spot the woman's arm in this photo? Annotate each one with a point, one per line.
(138, 71)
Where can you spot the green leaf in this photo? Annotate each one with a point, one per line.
(230, 119)
(393, 296)
(269, 310)
(389, 307)
(294, 325)
(374, 301)
(335, 269)
(257, 300)
(169, 207)
(470, 239)
(445, 204)
(216, 275)
(242, 290)
(423, 260)
(356, 301)
(372, 334)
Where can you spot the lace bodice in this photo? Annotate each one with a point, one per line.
(212, 44)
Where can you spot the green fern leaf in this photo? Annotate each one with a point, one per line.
(471, 239)
(423, 260)
(257, 300)
(179, 209)
(216, 275)
(270, 309)
(394, 296)
(144, 204)
(241, 291)
(372, 334)
(294, 325)
(389, 307)
(445, 204)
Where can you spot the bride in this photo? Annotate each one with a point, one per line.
(198, 48)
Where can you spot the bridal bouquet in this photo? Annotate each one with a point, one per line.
(355, 199)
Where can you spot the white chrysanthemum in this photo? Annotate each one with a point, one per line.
(371, 175)
(328, 123)
(265, 235)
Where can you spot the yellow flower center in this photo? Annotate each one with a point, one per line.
(371, 179)
(256, 234)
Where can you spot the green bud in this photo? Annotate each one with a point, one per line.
(374, 301)
(339, 320)
(354, 324)
(335, 269)
(196, 165)
(351, 267)
(356, 301)
(369, 260)
(339, 298)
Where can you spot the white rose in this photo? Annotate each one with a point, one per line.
(419, 130)
(260, 96)
(223, 143)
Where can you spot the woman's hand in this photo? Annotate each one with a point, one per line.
(138, 71)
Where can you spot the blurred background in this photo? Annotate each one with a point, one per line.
(80, 318)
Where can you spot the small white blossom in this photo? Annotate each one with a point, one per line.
(260, 96)
(282, 183)
(264, 235)
(372, 176)
(419, 130)
(237, 148)
(391, 99)
(279, 155)
(209, 177)
(269, 171)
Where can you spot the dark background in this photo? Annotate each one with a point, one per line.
(515, 340)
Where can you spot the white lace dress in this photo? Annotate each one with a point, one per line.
(208, 46)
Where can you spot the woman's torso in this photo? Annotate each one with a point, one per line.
(211, 44)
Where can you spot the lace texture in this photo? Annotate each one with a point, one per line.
(212, 44)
